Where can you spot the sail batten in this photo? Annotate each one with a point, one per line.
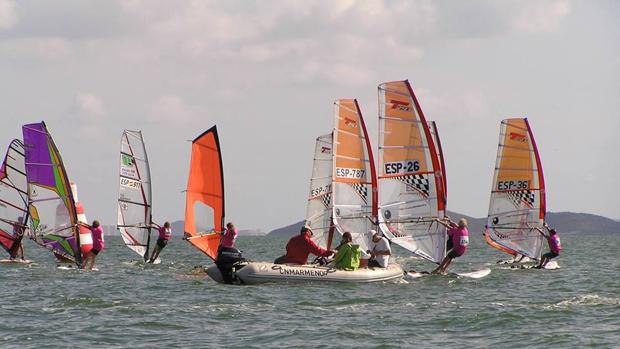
(517, 203)
(411, 174)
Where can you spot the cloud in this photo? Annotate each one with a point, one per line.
(542, 16)
(89, 107)
(463, 106)
(172, 109)
(8, 14)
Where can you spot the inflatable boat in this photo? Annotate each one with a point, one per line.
(251, 273)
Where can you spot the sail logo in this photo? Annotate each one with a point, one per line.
(350, 122)
(127, 160)
(131, 184)
(517, 137)
(326, 189)
(513, 185)
(326, 150)
(400, 105)
(350, 173)
(402, 167)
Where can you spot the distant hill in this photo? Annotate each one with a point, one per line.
(287, 231)
(586, 223)
(564, 222)
(178, 227)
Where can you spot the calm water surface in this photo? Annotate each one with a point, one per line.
(127, 304)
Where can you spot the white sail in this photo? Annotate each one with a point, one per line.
(410, 178)
(134, 193)
(319, 208)
(13, 196)
(353, 174)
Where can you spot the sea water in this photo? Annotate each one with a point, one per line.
(131, 305)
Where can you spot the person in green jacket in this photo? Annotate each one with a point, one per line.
(348, 256)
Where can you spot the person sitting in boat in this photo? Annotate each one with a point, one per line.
(348, 256)
(381, 250)
(227, 254)
(17, 249)
(98, 243)
(299, 247)
(555, 246)
(165, 233)
(458, 241)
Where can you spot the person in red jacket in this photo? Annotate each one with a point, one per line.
(299, 247)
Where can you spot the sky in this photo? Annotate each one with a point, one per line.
(267, 73)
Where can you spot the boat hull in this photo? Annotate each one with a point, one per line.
(258, 272)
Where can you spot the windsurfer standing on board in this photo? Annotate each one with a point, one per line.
(555, 246)
(299, 247)
(458, 240)
(98, 243)
(17, 249)
(165, 234)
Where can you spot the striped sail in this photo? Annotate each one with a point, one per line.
(411, 176)
(517, 204)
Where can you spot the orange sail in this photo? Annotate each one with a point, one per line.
(517, 205)
(204, 199)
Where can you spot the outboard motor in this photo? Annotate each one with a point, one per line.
(227, 259)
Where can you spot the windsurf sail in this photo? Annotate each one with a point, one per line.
(134, 193)
(53, 218)
(411, 176)
(517, 204)
(204, 199)
(13, 197)
(319, 208)
(353, 174)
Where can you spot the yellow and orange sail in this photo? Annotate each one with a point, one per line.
(517, 205)
(204, 200)
(411, 174)
(353, 177)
